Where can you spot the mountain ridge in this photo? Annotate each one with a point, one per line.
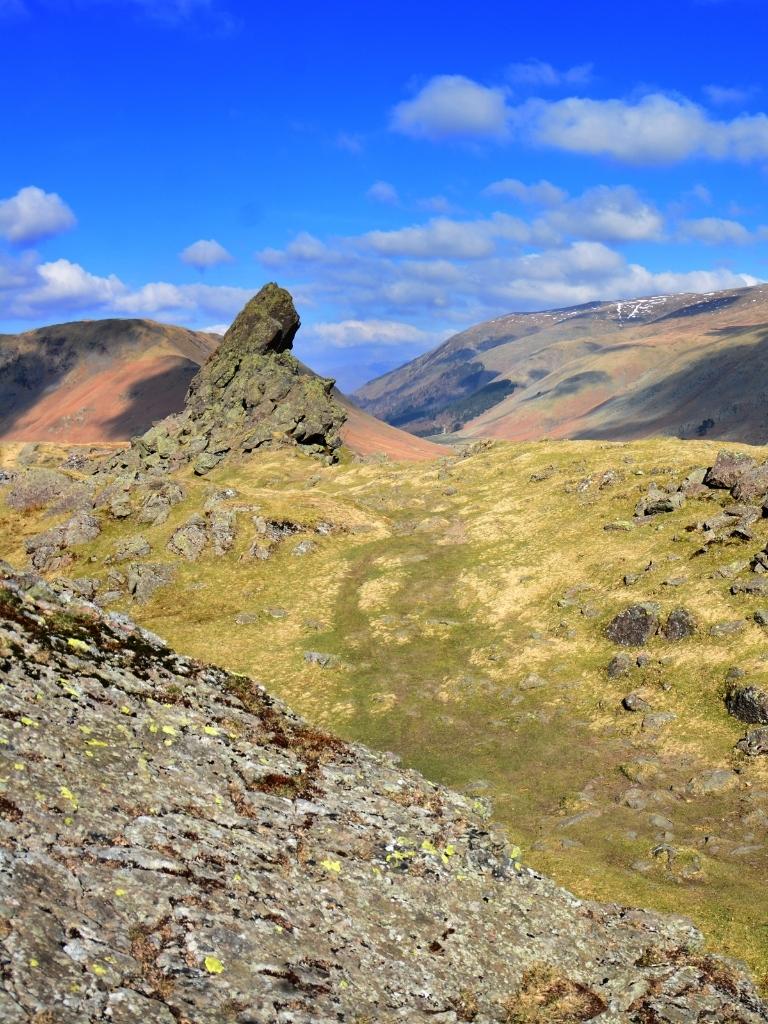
(580, 371)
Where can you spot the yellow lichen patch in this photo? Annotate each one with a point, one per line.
(77, 645)
(66, 794)
(331, 865)
(213, 965)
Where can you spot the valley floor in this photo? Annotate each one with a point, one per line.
(455, 613)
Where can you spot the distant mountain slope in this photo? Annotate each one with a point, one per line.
(99, 380)
(109, 380)
(685, 365)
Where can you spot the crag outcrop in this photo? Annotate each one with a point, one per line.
(251, 393)
(179, 848)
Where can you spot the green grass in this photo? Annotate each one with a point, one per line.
(440, 591)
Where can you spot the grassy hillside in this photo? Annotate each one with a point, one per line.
(682, 365)
(464, 605)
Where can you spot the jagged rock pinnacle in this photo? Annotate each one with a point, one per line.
(251, 393)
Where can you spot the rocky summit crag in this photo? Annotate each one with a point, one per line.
(251, 393)
(179, 848)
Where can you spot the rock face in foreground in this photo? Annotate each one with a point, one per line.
(251, 393)
(178, 848)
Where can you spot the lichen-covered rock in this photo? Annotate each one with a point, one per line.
(49, 551)
(748, 704)
(144, 579)
(755, 742)
(190, 539)
(657, 501)
(740, 474)
(635, 625)
(251, 393)
(680, 624)
(176, 846)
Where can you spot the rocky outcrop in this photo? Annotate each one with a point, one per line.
(176, 846)
(252, 393)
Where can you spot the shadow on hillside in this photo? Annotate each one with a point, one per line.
(150, 400)
(723, 395)
(26, 376)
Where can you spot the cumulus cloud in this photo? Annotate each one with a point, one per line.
(655, 129)
(716, 231)
(610, 215)
(444, 237)
(353, 333)
(538, 72)
(453, 107)
(61, 284)
(305, 248)
(383, 192)
(32, 215)
(205, 253)
(162, 299)
(542, 193)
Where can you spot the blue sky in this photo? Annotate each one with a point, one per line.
(407, 169)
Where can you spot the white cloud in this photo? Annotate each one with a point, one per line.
(383, 192)
(656, 129)
(437, 204)
(444, 237)
(716, 231)
(32, 215)
(305, 248)
(215, 329)
(206, 252)
(160, 298)
(65, 285)
(538, 72)
(542, 193)
(723, 95)
(353, 333)
(453, 107)
(610, 215)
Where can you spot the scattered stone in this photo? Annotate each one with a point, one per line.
(755, 742)
(730, 628)
(761, 617)
(133, 547)
(221, 529)
(758, 586)
(748, 704)
(715, 780)
(321, 659)
(630, 579)
(634, 702)
(49, 551)
(304, 547)
(658, 720)
(693, 483)
(190, 539)
(144, 579)
(657, 501)
(157, 506)
(680, 624)
(740, 474)
(620, 526)
(246, 618)
(635, 625)
(619, 665)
